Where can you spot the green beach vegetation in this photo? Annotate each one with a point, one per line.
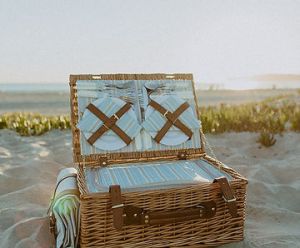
(271, 116)
(274, 115)
(267, 139)
(28, 124)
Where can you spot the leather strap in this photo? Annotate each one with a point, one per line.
(228, 195)
(205, 210)
(109, 123)
(117, 206)
(172, 119)
(133, 215)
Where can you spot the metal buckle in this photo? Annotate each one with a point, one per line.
(201, 209)
(166, 113)
(118, 206)
(106, 126)
(230, 200)
(133, 215)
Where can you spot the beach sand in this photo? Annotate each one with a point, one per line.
(29, 166)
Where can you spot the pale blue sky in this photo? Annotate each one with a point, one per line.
(45, 41)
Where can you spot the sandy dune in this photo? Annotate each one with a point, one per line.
(28, 169)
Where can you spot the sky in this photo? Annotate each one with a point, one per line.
(216, 40)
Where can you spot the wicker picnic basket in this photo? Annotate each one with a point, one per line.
(204, 215)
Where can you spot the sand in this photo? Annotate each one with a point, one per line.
(29, 166)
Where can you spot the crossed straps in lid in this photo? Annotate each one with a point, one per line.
(172, 119)
(109, 123)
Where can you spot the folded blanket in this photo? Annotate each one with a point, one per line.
(65, 208)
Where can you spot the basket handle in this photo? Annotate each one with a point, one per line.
(132, 215)
(204, 210)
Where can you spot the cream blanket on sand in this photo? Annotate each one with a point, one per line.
(66, 209)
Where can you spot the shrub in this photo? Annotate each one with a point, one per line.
(295, 120)
(273, 115)
(266, 139)
(27, 124)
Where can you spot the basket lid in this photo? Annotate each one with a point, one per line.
(118, 118)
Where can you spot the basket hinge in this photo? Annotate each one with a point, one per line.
(182, 155)
(103, 161)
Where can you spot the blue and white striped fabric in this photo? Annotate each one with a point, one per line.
(147, 176)
(154, 120)
(89, 123)
(134, 92)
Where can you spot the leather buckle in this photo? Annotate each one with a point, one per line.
(133, 215)
(169, 115)
(230, 200)
(117, 206)
(107, 128)
(116, 117)
(228, 195)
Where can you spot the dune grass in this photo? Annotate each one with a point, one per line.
(27, 124)
(273, 115)
(270, 115)
(267, 139)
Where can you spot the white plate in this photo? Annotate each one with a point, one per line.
(172, 137)
(108, 142)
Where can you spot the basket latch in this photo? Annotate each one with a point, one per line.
(228, 195)
(117, 206)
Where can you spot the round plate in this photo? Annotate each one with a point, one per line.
(172, 137)
(108, 142)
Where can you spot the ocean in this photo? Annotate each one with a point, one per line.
(64, 87)
(34, 87)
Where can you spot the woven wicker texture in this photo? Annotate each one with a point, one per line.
(97, 228)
